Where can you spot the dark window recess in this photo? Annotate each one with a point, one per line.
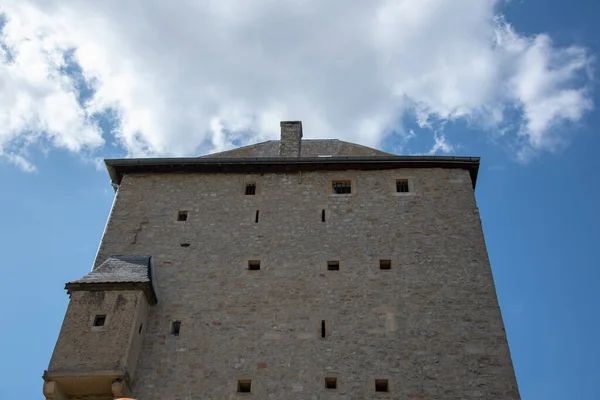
(256, 217)
(140, 329)
(185, 245)
(323, 330)
(322, 215)
(254, 265)
(331, 383)
(250, 189)
(402, 186)
(333, 265)
(182, 216)
(341, 187)
(381, 385)
(244, 386)
(385, 264)
(175, 327)
(99, 320)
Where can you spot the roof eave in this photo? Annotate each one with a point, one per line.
(118, 167)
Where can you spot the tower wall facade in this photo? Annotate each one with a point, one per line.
(430, 324)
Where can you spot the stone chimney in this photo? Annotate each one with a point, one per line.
(291, 139)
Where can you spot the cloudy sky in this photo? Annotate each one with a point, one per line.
(154, 78)
(511, 81)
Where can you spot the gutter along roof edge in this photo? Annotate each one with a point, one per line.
(118, 167)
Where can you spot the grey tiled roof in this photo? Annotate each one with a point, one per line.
(119, 273)
(120, 269)
(309, 148)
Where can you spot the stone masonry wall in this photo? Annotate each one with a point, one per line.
(82, 346)
(431, 324)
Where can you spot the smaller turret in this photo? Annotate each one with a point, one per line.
(101, 336)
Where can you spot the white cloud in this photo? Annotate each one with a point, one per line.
(191, 76)
(440, 145)
(19, 161)
(543, 84)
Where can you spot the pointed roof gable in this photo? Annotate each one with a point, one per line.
(310, 148)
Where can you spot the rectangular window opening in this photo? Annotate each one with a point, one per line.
(402, 186)
(381, 385)
(323, 330)
(341, 187)
(322, 215)
(244, 386)
(182, 216)
(333, 265)
(331, 383)
(99, 320)
(184, 244)
(175, 327)
(140, 329)
(385, 264)
(254, 265)
(256, 217)
(250, 189)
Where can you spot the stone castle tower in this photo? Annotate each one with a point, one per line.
(290, 269)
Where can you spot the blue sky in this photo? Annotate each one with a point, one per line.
(537, 191)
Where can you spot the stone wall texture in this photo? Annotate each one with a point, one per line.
(81, 346)
(431, 324)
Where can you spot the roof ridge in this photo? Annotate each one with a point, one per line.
(368, 147)
(237, 148)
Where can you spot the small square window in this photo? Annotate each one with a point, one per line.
(333, 265)
(381, 385)
(385, 264)
(182, 216)
(402, 186)
(341, 187)
(254, 265)
(244, 386)
(250, 189)
(331, 383)
(99, 320)
(175, 327)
